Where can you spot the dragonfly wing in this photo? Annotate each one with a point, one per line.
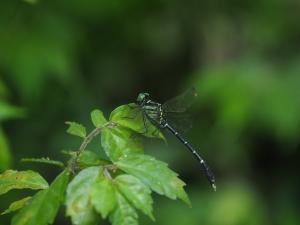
(182, 122)
(182, 102)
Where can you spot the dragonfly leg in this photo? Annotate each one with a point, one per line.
(155, 132)
(145, 124)
(145, 121)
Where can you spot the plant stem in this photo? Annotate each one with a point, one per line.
(44, 160)
(72, 164)
(106, 173)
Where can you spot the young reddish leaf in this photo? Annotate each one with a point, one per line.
(12, 179)
(136, 192)
(43, 206)
(155, 174)
(98, 118)
(124, 214)
(76, 129)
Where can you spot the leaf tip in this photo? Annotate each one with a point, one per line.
(152, 217)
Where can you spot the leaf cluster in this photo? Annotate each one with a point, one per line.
(92, 188)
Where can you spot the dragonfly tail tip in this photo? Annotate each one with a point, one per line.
(214, 187)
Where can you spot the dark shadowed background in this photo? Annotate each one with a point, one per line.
(60, 59)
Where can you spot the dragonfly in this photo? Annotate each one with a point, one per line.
(160, 116)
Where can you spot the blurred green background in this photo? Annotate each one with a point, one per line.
(60, 59)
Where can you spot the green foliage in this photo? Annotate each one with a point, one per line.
(12, 179)
(249, 97)
(265, 96)
(89, 158)
(155, 174)
(98, 118)
(78, 199)
(17, 205)
(5, 155)
(125, 214)
(103, 195)
(31, 1)
(136, 192)
(8, 111)
(119, 141)
(76, 129)
(113, 188)
(44, 205)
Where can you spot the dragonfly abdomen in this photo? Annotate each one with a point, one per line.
(208, 172)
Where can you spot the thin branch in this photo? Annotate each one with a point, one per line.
(44, 160)
(72, 164)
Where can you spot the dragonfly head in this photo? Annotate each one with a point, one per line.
(142, 97)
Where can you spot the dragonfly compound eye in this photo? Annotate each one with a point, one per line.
(142, 97)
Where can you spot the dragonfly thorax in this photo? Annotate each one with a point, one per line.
(154, 111)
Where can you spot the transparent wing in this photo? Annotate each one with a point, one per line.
(182, 122)
(182, 102)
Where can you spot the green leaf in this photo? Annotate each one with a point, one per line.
(43, 207)
(31, 1)
(76, 129)
(12, 179)
(124, 214)
(3, 90)
(98, 118)
(5, 155)
(130, 116)
(68, 152)
(136, 192)
(17, 205)
(119, 141)
(103, 196)
(8, 111)
(89, 158)
(78, 198)
(155, 174)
